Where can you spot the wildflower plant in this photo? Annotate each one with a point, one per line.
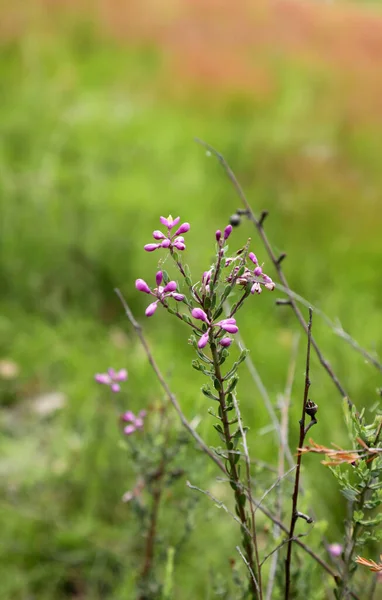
(157, 448)
(239, 275)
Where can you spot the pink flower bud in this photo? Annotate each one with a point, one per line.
(128, 416)
(158, 235)
(121, 375)
(178, 297)
(142, 286)
(151, 247)
(226, 342)
(267, 279)
(115, 387)
(230, 328)
(218, 235)
(179, 245)
(203, 340)
(183, 228)
(170, 287)
(150, 310)
(129, 429)
(159, 277)
(102, 378)
(166, 243)
(227, 232)
(258, 271)
(253, 258)
(198, 313)
(270, 286)
(335, 549)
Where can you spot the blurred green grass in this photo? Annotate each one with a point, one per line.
(91, 154)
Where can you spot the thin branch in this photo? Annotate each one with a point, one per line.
(295, 515)
(249, 568)
(259, 226)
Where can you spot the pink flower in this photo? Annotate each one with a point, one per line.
(175, 240)
(335, 550)
(227, 232)
(160, 292)
(228, 325)
(135, 422)
(112, 378)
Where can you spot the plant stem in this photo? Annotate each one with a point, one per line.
(303, 431)
(255, 584)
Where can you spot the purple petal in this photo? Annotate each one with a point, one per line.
(218, 235)
(139, 423)
(164, 221)
(183, 228)
(266, 278)
(258, 271)
(142, 286)
(151, 247)
(230, 320)
(225, 342)
(128, 416)
(198, 313)
(142, 413)
(103, 378)
(150, 310)
(159, 277)
(335, 549)
(158, 235)
(270, 286)
(230, 328)
(227, 232)
(179, 238)
(203, 340)
(115, 387)
(179, 246)
(177, 297)
(253, 258)
(170, 287)
(111, 373)
(166, 243)
(129, 429)
(121, 375)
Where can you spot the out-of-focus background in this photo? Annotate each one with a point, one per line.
(100, 105)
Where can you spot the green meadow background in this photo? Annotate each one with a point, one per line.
(97, 130)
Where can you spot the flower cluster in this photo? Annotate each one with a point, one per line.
(176, 240)
(135, 422)
(256, 277)
(160, 292)
(228, 325)
(112, 378)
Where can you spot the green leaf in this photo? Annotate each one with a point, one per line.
(232, 384)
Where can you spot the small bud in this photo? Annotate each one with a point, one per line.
(151, 247)
(183, 228)
(227, 232)
(170, 287)
(158, 235)
(258, 271)
(142, 286)
(150, 310)
(198, 313)
(203, 340)
(159, 277)
(253, 258)
(226, 342)
(166, 243)
(218, 235)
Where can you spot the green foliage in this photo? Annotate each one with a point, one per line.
(90, 153)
